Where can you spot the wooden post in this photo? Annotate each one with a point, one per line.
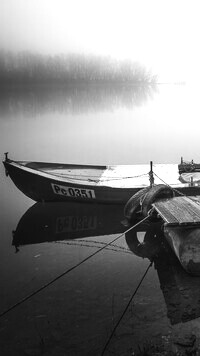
(151, 177)
(6, 156)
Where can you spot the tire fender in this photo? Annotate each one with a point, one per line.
(159, 191)
(133, 205)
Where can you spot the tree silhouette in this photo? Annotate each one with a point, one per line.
(33, 69)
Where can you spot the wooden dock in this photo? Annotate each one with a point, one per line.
(183, 210)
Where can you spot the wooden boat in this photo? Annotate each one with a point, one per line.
(187, 167)
(88, 183)
(185, 242)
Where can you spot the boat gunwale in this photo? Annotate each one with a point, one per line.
(56, 165)
(22, 165)
(73, 182)
(64, 180)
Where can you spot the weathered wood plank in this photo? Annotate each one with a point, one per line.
(183, 210)
(165, 213)
(179, 210)
(194, 208)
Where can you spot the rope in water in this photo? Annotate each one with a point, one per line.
(127, 306)
(88, 243)
(69, 270)
(125, 310)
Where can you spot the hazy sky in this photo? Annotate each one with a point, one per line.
(161, 34)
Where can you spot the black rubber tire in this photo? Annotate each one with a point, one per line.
(151, 245)
(159, 191)
(133, 204)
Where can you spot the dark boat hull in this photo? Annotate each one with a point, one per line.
(40, 188)
(41, 182)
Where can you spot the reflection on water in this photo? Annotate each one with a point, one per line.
(180, 290)
(78, 313)
(64, 221)
(68, 221)
(109, 125)
(73, 99)
(96, 294)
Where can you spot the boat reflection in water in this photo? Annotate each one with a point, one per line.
(181, 291)
(45, 222)
(71, 220)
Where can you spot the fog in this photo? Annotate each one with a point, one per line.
(162, 36)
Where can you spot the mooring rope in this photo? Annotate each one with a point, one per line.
(128, 177)
(96, 178)
(125, 310)
(175, 190)
(70, 269)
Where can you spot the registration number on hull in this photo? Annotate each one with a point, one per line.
(73, 192)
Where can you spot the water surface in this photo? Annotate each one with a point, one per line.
(76, 314)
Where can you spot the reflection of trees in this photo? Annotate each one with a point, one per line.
(32, 84)
(73, 98)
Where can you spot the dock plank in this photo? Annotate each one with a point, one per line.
(179, 210)
(184, 211)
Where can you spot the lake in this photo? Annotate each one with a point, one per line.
(76, 314)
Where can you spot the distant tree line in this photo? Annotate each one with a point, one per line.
(33, 69)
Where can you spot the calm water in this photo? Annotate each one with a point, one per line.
(76, 314)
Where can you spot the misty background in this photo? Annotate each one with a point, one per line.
(74, 74)
(162, 36)
(92, 82)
